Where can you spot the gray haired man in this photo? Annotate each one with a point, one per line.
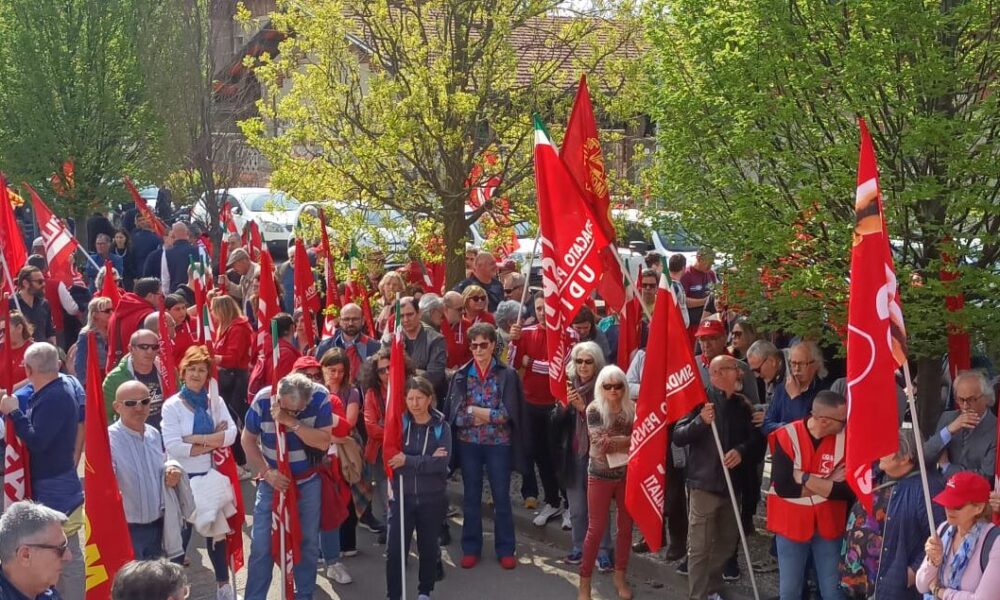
(33, 551)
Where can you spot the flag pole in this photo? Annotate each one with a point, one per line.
(527, 277)
(10, 282)
(402, 539)
(736, 509)
(912, 401)
(635, 288)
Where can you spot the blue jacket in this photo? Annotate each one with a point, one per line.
(91, 271)
(178, 260)
(905, 534)
(783, 410)
(144, 243)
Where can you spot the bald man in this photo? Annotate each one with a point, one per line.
(180, 255)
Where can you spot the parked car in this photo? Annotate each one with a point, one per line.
(272, 210)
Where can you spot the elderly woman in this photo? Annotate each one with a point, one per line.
(573, 448)
(476, 305)
(194, 424)
(884, 547)
(609, 425)
(390, 286)
(506, 316)
(484, 403)
(422, 464)
(98, 314)
(953, 567)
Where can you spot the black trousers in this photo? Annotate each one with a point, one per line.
(233, 385)
(423, 514)
(349, 528)
(675, 509)
(542, 455)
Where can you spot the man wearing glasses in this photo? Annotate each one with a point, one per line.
(966, 437)
(138, 365)
(808, 500)
(794, 399)
(142, 471)
(33, 305)
(33, 551)
(350, 339)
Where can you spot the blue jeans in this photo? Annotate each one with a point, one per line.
(329, 544)
(261, 564)
(147, 539)
(497, 460)
(792, 557)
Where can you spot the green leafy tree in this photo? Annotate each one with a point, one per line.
(391, 104)
(71, 88)
(756, 104)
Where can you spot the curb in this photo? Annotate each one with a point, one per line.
(650, 569)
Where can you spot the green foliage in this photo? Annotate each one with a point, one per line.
(392, 104)
(71, 88)
(756, 104)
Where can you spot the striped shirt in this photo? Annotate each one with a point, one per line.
(317, 414)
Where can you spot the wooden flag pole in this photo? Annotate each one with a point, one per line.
(736, 510)
(527, 277)
(912, 401)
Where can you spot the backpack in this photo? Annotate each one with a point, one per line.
(991, 537)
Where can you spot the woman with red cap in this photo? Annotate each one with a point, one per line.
(962, 560)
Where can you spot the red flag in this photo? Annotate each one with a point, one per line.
(105, 526)
(109, 287)
(629, 331)
(332, 287)
(253, 241)
(366, 304)
(671, 388)
(395, 400)
(12, 250)
(267, 303)
(581, 151)
(570, 241)
(306, 297)
(959, 346)
(286, 533)
(140, 204)
(59, 242)
(876, 339)
(16, 477)
(169, 377)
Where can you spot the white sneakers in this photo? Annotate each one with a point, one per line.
(567, 524)
(545, 515)
(338, 573)
(226, 592)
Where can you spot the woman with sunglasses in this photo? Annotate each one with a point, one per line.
(98, 315)
(573, 447)
(476, 307)
(194, 424)
(609, 426)
(484, 404)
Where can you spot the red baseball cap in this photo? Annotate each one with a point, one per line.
(964, 488)
(306, 362)
(710, 327)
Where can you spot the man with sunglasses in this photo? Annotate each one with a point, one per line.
(809, 497)
(33, 551)
(138, 365)
(33, 305)
(141, 470)
(966, 437)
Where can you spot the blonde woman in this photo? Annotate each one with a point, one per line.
(98, 315)
(389, 287)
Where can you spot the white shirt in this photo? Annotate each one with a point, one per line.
(177, 421)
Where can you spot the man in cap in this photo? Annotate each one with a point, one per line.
(240, 274)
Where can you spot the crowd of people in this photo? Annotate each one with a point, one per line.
(478, 401)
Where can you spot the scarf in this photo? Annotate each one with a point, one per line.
(960, 560)
(203, 423)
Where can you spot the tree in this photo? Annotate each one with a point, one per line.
(71, 89)
(756, 103)
(392, 104)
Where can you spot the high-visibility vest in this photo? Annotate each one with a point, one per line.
(798, 519)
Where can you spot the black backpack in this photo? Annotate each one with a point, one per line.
(984, 556)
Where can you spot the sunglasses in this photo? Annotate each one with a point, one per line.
(479, 345)
(146, 347)
(60, 549)
(133, 403)
(382, 370)
(649, 286)
(508, 290)
(477, 298)
(107, 311)
(584, 361)
(613, 386)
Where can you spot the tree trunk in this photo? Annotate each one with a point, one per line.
(929, 406)
(455, 233)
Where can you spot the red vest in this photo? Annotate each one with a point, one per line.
(798, 519)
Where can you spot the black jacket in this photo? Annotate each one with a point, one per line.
(511, 394)
(733, 416)
(425, 474)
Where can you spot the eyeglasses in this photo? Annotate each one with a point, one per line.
(147, 347)
(737, 333)
(133, 403)
(382, 370)
(584, 361)
(107, 311)
(969, 399)
(314, 375)
(649, 286)
(479, 345)
(477, 298)
(801, 364)
(350, 319)
(60, 550)
(613, 386)
(508, 290)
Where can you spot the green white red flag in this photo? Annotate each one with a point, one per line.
(570, 240)
(876, 338)
(395, 398)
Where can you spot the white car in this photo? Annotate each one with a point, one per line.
(665, 242)
(385, 229)
(272, 210)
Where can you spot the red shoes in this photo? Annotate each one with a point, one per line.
(469, 561)
(508, 562)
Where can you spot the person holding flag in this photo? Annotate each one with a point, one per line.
(302, 409)
(421, 462)
(194, 424)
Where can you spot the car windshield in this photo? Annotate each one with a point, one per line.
(677, 240)
(270, 201)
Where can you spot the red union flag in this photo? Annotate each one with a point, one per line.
(671, 388)
(12, 249)
(155, 223)
(876, 339)
(571, 239)
(59, 243)
(396, 403)
(286, 535)
(16, 479)
(305, 296)
(333, 302)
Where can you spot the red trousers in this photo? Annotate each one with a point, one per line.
(599, 495)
